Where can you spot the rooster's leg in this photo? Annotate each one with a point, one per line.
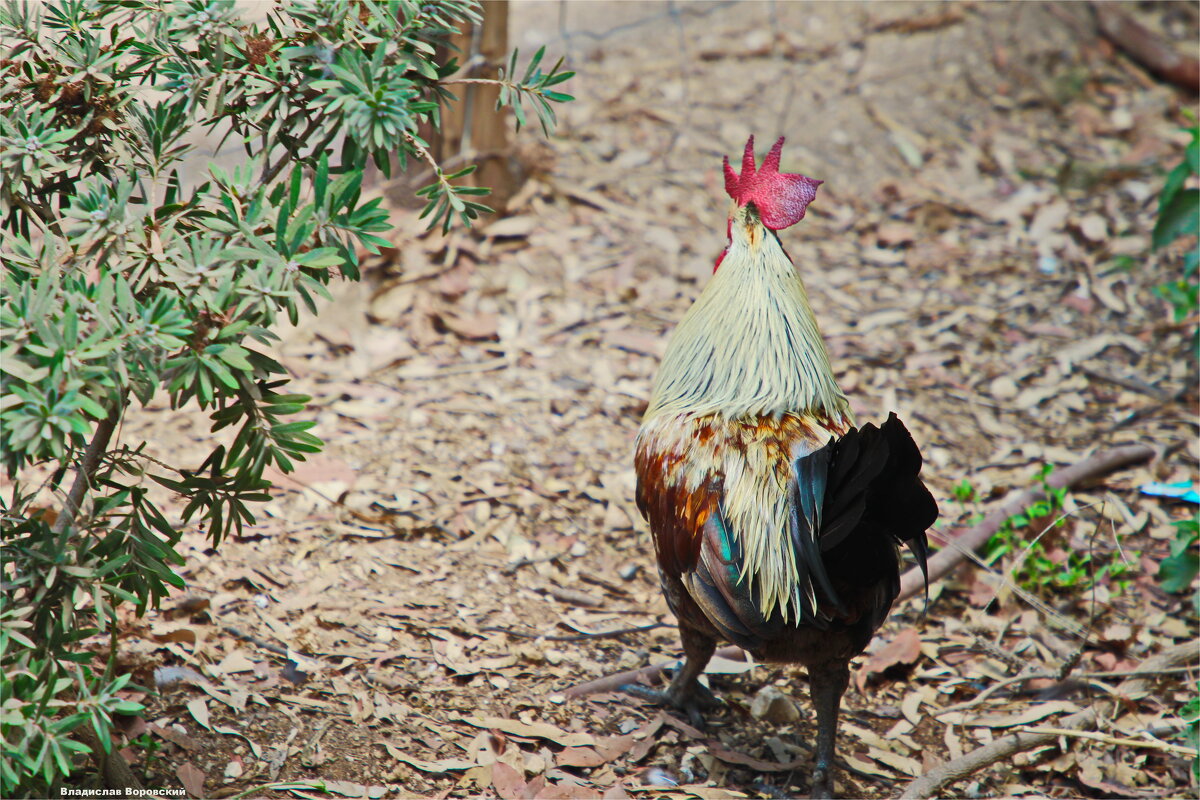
(686, 693)
(827, 682)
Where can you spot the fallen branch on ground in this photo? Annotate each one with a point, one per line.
(949, 557)
(1145, 47)
(932, 782)
(943, 561)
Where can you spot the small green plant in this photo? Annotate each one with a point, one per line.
(1034, 569)
(964, 492)
(150, 746)
(1178, 217)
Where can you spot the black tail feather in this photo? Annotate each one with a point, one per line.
(806, 492)
(866, 483)
(907, 502)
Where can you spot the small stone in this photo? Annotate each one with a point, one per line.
(1004, 388)
(772, 705)
(1094, 228)
(628, 571)
(629, 660)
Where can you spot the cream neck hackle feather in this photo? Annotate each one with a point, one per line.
(750, 345)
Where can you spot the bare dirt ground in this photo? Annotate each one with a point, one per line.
(979, 260)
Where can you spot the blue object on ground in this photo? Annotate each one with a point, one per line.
(1183, 490)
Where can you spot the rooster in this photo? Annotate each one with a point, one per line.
(775, 520)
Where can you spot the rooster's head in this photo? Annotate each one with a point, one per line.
(765, 197)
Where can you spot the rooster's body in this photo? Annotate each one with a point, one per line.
(775, 521)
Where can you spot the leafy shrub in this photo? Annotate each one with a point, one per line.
(122, 280)
(1178, 217)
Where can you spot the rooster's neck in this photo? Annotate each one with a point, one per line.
(750, 344)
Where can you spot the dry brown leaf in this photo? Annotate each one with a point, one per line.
(535, 730)
(471, 326)
(325, 473)
(613, 747)
(175, 737)
(646, 738)
(1035, 395)
(351, 789)
(616, 792)
(192, 778)
(439, 766)
(864, 767)
(198, 708)
(904, 648)
(636, 341)
(235, 661)
(1030, 714)
(909, 766)
(508, 782)
(235, 698)
(579, 757)
(911, 707)
(567, 788)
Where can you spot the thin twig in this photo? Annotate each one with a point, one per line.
(271, 173)
(111, 764)
(488, 81)
(988, 692)
(932, 782)
(424, 153)
(1012, 660)
(1132, 384)
(1093, 677)
(238, 633)
(85, 474)
(1191, 752)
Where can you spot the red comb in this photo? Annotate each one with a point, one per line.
(780, 198)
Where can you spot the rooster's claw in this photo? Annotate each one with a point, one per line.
(693, 702)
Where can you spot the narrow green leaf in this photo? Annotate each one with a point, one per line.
(1180, 218)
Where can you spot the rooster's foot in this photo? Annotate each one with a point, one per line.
(692, 700)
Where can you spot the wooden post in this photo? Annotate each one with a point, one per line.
(473, 131)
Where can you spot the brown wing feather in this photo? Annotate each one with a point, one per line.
(676, 515)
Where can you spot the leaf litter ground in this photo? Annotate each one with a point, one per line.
(407, 614)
